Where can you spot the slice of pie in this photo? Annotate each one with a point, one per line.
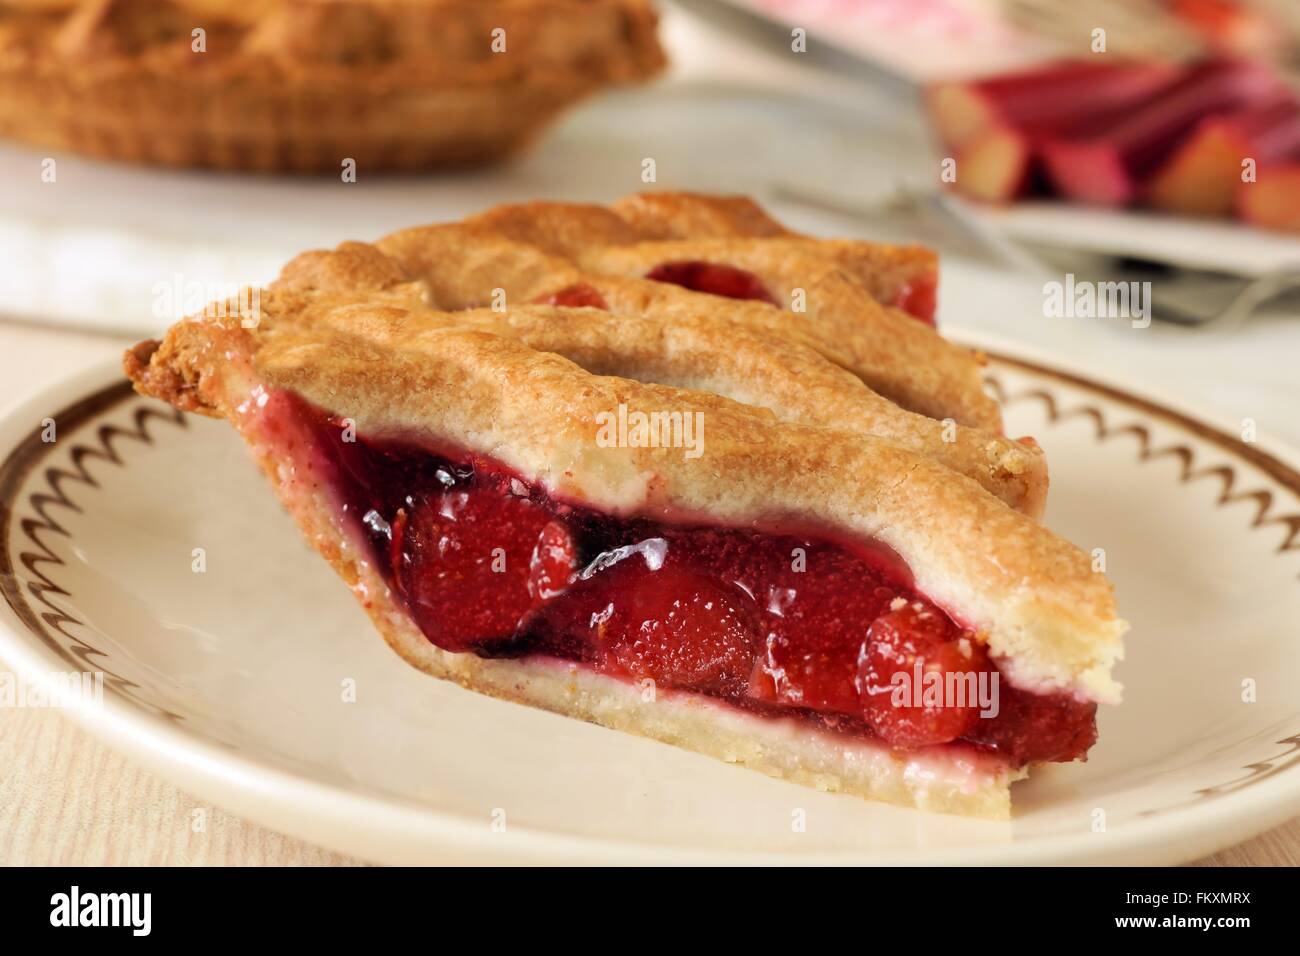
(303, 85)
(553, 474)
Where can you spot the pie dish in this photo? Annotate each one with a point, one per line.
(706, 519)
(302, 85)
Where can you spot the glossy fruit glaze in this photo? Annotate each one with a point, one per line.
(776, 623)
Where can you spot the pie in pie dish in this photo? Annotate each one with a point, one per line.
(302, 85)
(592, 460)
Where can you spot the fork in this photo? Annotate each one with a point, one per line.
(1201, 298)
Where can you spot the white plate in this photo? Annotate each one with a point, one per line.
(229, 681)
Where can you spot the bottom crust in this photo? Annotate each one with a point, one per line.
(946, 779)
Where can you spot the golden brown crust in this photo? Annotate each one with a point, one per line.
(901, 358)
(842, 290)
(681, 215)
(302, 85)
(887, 272)
(659, 333)
(525, 253)
(702, 353)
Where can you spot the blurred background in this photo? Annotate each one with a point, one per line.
(1149, 141)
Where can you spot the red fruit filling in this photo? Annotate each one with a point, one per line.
(641, 611)
(574, 296)
(912, 647)
(919, 298)
(472, 564)
(780, 623)
(715, 279)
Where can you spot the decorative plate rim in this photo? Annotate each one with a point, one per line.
(1267, 795)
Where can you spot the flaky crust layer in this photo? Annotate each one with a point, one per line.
(301, 85)
(659, 333)
(842, 287)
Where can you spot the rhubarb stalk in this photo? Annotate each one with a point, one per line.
(1107, 162)
(1202, 176)
(1273, 200)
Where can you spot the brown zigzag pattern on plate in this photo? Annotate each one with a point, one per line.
(1254, 772)
(1148, 452)
(24, 459)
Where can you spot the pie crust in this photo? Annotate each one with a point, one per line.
(389, 335)
(840, 285)
(302, 85)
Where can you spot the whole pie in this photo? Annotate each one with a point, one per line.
(672, 468)
(304, 85)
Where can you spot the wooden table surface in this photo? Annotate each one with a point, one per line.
(66, 798)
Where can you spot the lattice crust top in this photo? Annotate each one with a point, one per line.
(300, 84)
(609, 38)
(839, 285)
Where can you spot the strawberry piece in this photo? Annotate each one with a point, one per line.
(912, 677)
(919, 298)
(712, 278)
(665, 621)
(817, 619)
(575, 296)
(1031, 728)
(812, 669)
(473, 563)
(396, 538)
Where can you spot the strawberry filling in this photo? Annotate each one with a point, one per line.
(776, 622)
(715, 279)
(919, 298)
(574, 296)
